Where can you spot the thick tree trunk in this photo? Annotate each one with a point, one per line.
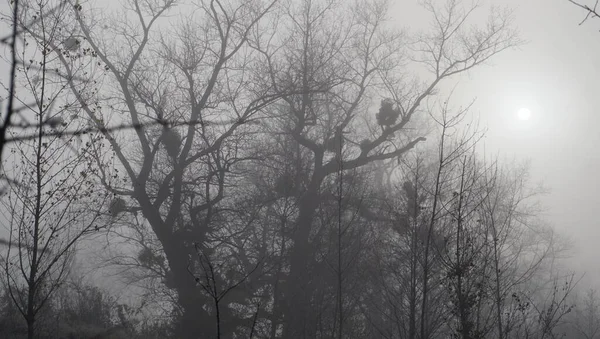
(297, 314)
(194, 321)
(30, 328)
(31, 292)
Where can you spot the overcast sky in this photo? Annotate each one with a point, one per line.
(556, 75)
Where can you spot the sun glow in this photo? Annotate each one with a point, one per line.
(524, 113)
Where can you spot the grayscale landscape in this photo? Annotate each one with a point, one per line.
(299, 169)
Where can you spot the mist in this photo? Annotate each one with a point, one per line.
(299, 169)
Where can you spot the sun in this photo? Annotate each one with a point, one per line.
(524, 113)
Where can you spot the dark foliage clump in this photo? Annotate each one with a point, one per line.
(387, 115)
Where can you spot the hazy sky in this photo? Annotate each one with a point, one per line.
(556, 74)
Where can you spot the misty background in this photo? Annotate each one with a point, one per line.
(553, 73)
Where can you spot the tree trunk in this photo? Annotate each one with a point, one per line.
(30, 324)
(195, 321)
(497, 288)
(299, 290)
(412, 325)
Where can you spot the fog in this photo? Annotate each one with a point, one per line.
(554, 75)
(299, 169)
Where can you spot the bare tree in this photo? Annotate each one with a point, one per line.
(210, 279)
(51, 202)
(188, 90)
(176, 172)
(586, 318)
(348, 57)
(253, 160)
(486, 244)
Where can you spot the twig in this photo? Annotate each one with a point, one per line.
(591, 12)
(12, 36)
(13, 68)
